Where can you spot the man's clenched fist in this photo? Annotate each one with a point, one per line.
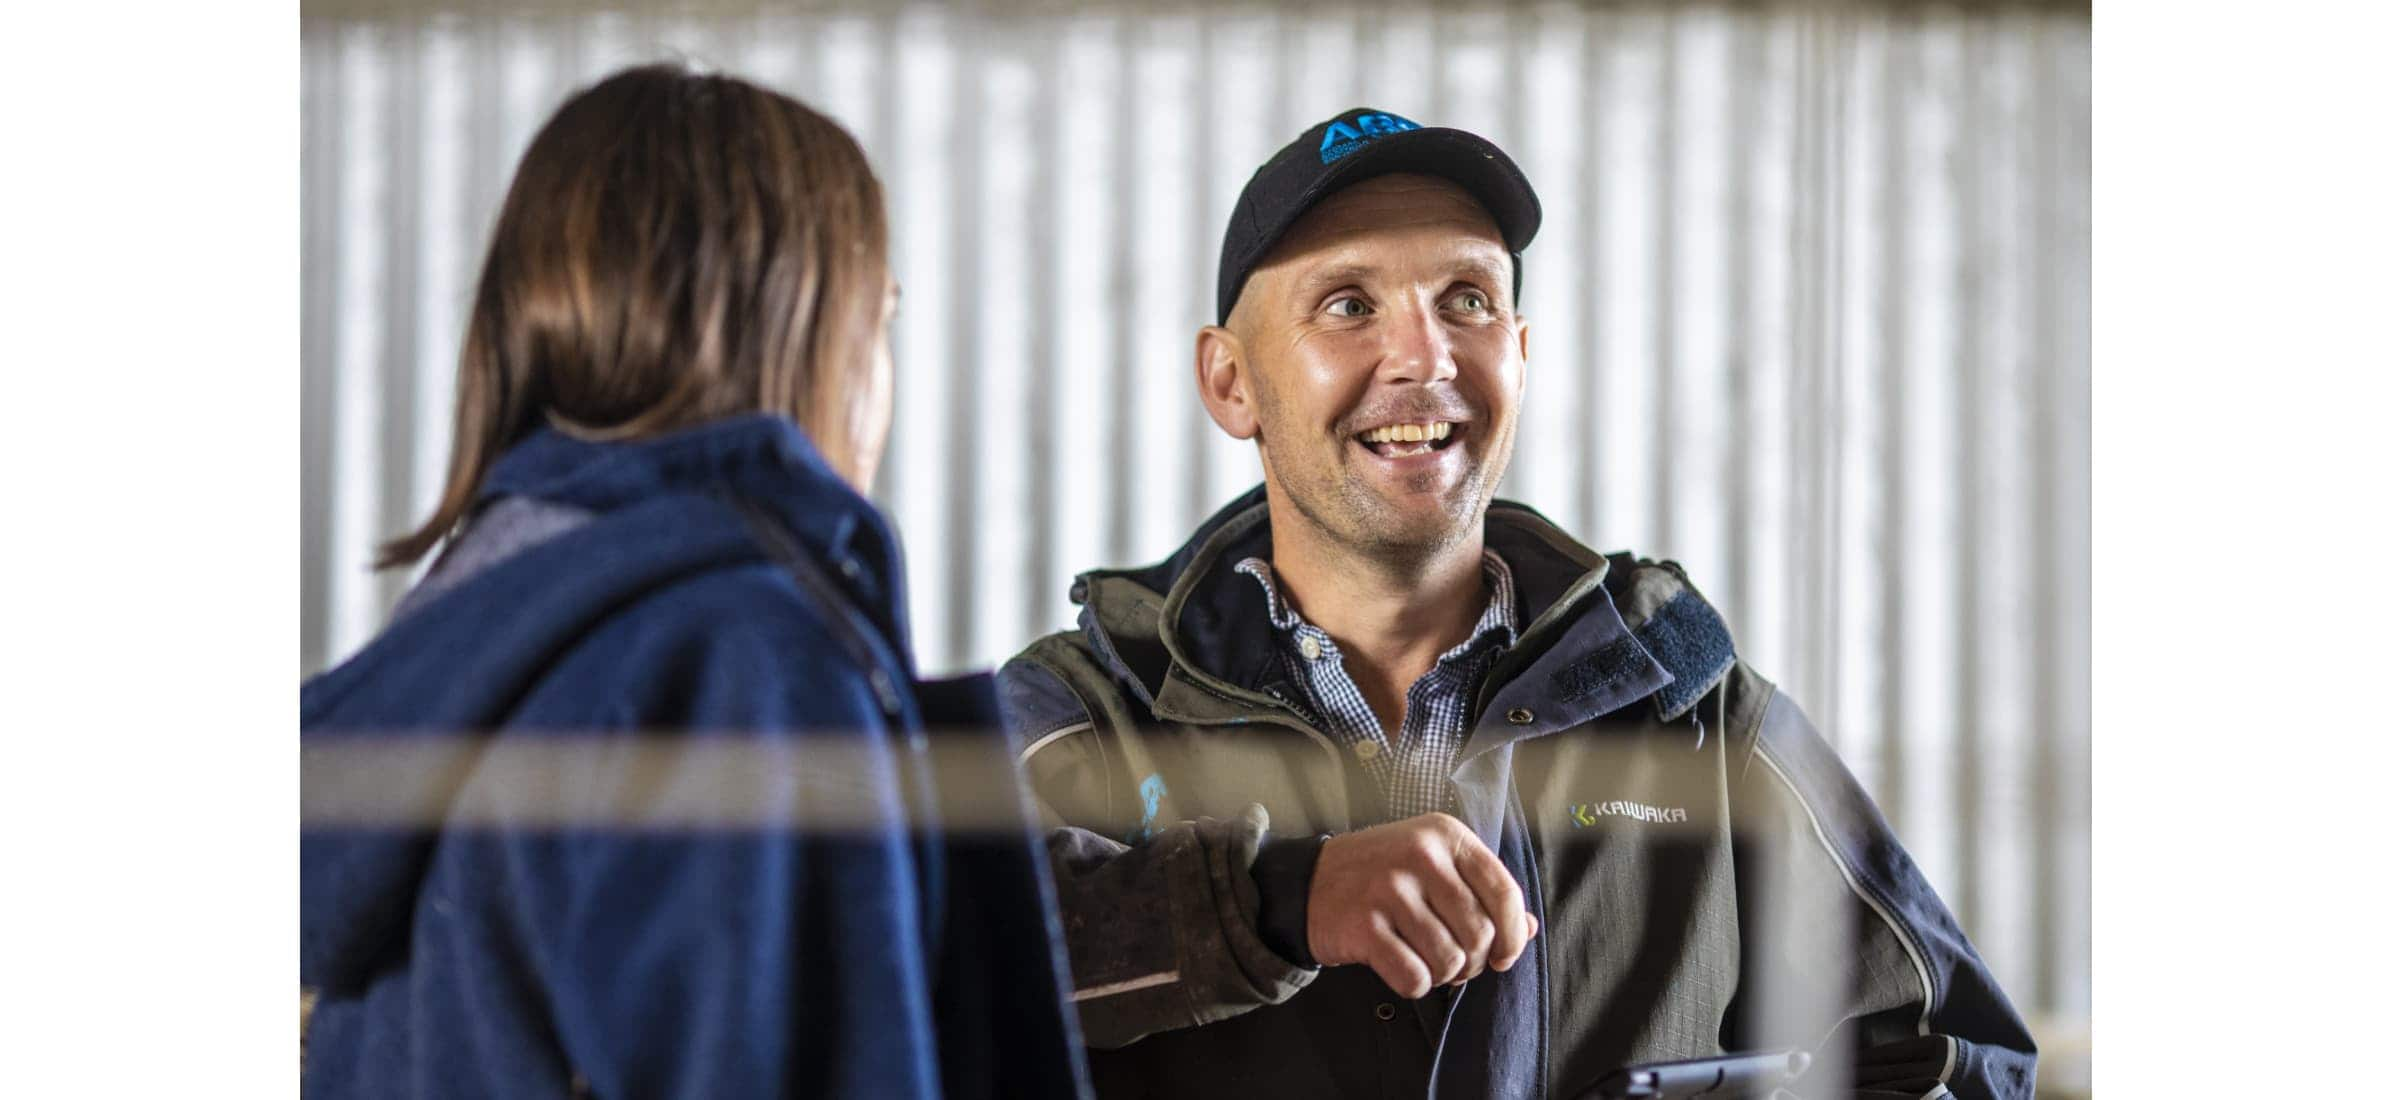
(1422, 901)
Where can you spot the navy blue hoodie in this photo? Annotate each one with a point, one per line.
(551, 928)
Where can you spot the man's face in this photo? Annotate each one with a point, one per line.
(1386, 364)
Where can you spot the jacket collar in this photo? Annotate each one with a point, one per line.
(1193, 637)
(764, 461)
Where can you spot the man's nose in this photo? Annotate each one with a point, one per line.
(1420, 349)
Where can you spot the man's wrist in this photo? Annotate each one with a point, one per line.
(1283, 879)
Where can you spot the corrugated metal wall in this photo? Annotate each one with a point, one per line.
(1809, 316)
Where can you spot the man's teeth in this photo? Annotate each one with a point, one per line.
(1409, 433)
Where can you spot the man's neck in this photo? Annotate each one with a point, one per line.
(1392, 619)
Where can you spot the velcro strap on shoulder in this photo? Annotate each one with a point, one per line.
(1692, 642)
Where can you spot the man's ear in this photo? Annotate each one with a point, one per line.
(1221, 381)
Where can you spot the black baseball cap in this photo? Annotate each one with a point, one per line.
(1355, 145)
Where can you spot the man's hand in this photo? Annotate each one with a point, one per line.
(1421, 900)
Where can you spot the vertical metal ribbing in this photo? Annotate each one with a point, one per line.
(969, 33)
(1366, 36)
(1591, 69)
(2054, 704)
(883, 142)
(811, 82)
(1810, 378)
(402, 234)
(2009, 639)
(1967, 475)
(2070, 239)
(1205, 220)
(357, 365)
(731, 38)
(1743, 130)
(641, 41)
(443, 195)
(1835, 61)
(1440, 89)
(486, 164)
(1665, 366)
(1287, 118)
(322, 158)
(1123, 467)
(569, 30)
(1801, 306)
(1515, 33)
(1038, 396)
(1515, 85)
(1893, 332)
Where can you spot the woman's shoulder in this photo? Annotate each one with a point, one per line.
(737, 645)
(748, 606)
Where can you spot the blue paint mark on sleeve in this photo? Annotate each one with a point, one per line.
(1150, 796)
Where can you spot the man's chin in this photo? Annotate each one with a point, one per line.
(1417, 522)
(1390, 521)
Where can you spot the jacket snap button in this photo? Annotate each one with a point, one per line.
(1520, 716)
(1385, 1011)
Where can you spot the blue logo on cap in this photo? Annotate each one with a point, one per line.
(1344, 137)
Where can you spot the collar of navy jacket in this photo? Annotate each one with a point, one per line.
(1576, 660)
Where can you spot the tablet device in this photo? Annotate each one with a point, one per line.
(1722, 1078)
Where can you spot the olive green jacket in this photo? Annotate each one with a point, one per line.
(1707, 875)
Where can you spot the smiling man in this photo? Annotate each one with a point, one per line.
(1380, 786)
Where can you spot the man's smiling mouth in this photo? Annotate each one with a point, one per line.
(1407, 440)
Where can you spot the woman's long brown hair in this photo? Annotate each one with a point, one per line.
(676, 247)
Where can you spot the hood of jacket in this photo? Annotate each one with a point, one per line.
(455, 668)
(1602, 631)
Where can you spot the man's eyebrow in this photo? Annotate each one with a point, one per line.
(1473, 268)
(1483, 270)
(1334, 276)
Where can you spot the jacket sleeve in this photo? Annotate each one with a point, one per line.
(739, 907)
(1167, 925)
(1849, 952)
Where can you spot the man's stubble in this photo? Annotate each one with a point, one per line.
(1358, 520)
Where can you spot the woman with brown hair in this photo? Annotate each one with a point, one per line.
(634, 795)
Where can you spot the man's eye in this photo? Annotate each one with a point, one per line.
(1470, 301)
(1348, 307)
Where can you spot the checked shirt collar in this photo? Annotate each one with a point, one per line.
(1415, 769)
